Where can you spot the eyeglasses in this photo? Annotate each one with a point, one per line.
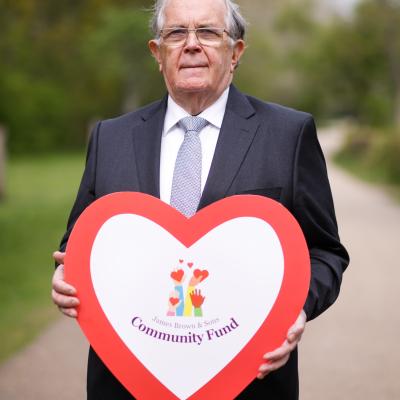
(205, 36)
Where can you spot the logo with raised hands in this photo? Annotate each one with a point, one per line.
(186, 300)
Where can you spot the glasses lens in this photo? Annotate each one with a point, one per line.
(209, 36)
(175, 36)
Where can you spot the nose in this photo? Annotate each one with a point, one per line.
(192, 44)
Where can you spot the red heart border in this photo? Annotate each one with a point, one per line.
(106, 342)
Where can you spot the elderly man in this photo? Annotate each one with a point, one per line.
(206, 141)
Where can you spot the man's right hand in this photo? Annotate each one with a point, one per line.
(63, 294)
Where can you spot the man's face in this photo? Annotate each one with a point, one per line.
(191, 67)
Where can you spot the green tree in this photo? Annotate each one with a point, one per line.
(354, 65)
(48, 93)
(119, 61)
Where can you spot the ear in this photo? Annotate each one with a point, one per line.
(238, 49)
(155, 51)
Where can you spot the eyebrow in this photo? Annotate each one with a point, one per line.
(201, 25)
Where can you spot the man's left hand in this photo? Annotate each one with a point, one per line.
(279, 357)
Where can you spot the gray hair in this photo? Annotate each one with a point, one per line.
(235, 22)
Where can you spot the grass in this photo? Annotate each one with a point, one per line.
(39, 196)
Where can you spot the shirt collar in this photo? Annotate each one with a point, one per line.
(213, 114)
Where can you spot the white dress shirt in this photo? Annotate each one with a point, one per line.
(173, 136)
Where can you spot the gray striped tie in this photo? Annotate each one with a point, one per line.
(186, 182)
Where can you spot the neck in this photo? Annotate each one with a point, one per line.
(195, 103)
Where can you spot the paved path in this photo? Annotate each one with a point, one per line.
(350, 352)
(33, 374)
(353, 350)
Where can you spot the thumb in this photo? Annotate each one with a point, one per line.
(297, 329)
(59, 257)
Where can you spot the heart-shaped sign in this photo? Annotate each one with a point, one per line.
(188, 338)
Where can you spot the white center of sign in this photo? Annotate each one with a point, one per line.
(182, 343)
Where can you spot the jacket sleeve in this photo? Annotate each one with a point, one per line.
(314, 210)
(86, 193)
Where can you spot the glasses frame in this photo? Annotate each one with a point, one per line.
(195, 30)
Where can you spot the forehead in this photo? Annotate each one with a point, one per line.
(195, 12)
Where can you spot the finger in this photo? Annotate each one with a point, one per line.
(277, 353)
(280, 352)
(301, 320)
(59, 257)
(267, 368)
(64, 301)
(295, 337)
(273, 366)
(69, 312)
(297, 327)
(280, 363)
(295, 332)
(58, 283)
(260, 376)
(63, 287)
(263, 371)
(59, 272)
(264, 368)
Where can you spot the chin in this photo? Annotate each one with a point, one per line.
(192, 86)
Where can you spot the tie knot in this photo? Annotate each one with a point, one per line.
(193, 124)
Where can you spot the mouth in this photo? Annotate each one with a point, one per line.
(193, 66)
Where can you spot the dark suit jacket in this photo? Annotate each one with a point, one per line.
(263, 149)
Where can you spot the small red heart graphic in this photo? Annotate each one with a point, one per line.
(181, 261)
(174, 300)
(177, 275)
(202, 274)
(190, 265)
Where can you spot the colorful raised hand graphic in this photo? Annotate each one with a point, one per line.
(180, 305)
(173, 303)
(178, 276)
(197, 301)
(197, 277)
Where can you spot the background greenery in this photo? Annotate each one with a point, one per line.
(65, 64)
(40, 192)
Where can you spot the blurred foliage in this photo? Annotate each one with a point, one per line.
(332, 67)
(373, 154)
(337, 67)
(51, 86)
(370, 61)
(65, 64)
(360, 73)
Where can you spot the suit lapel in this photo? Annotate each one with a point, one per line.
(147, 144)
(237, 133)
